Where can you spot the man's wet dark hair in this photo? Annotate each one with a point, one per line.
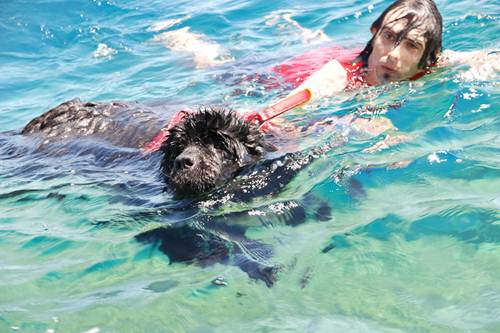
(422, 14)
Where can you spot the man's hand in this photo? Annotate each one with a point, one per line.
(388, 141)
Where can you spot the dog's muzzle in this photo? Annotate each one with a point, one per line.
(195, 170)
(187, 160)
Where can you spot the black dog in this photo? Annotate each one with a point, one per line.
(206, 149)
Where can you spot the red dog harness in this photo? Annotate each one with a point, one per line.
(158, 139)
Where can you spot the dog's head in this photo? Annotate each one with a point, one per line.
(208, 148)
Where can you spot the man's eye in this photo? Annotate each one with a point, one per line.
(412, 45)
(389, 36)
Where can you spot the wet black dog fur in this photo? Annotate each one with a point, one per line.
(209, 148)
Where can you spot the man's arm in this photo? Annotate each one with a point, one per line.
(481, 65)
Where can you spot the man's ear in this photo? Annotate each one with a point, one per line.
(373, 30)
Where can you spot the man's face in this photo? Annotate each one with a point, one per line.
(390, 60)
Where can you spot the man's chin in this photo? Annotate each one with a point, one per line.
(386, 77)
(381, 78)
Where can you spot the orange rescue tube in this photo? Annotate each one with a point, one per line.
(285, 105)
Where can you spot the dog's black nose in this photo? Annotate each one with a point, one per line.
(183, 162)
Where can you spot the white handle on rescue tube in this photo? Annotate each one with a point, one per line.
(326, 81)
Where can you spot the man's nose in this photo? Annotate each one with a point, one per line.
(394, 54)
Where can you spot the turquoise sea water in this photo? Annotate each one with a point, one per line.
(413, 242)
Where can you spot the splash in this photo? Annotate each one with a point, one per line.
(104, 51)
(205, 53)
(435, 158)
(481, 65)
(307, 35)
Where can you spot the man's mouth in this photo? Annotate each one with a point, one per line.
(389, 70)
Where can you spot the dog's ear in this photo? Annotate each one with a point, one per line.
(256, 141)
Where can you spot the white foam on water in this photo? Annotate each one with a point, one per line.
(104, 51)
(482, 65)
(308, 34)
(205, 53)
(164, 25)
(93, 330)
(434, 157)
(285, 16)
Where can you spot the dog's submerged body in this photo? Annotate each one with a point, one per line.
(121, 124)
(206, 149)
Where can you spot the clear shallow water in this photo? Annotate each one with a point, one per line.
(413, 249)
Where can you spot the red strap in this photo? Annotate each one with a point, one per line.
(420, 74)
(158, 139)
